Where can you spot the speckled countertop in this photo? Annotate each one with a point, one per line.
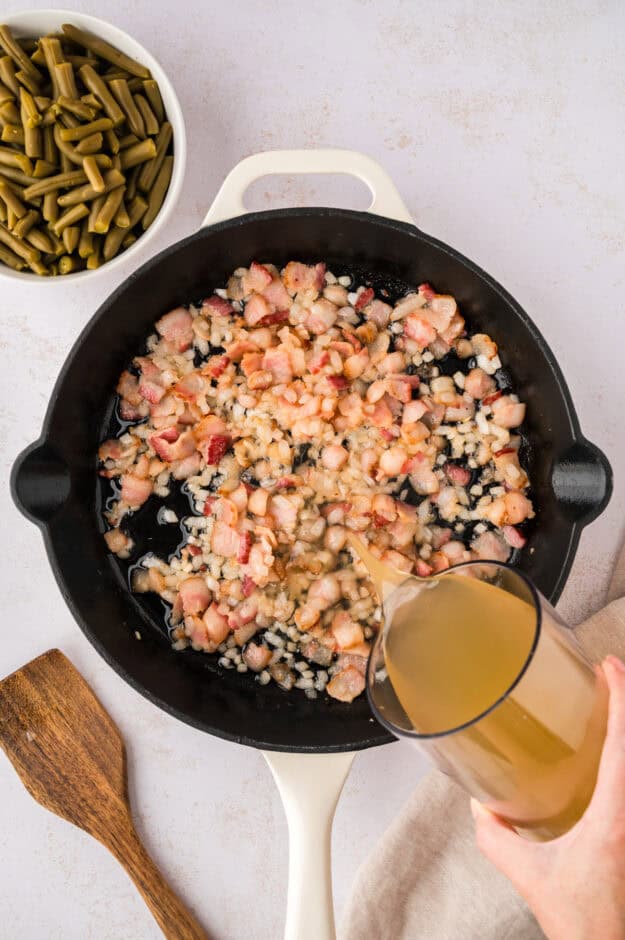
(503, 127)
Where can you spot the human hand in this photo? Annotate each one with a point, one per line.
(575, 884)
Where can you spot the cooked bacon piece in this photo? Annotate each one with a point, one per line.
(322, 316)
(214, 447)
(245, 545)
(458, 475)
(346, 685)
(135, 491)
(277, 295)
(117, 541)
(426, 291)
(190, 387)
(346, 631)
(216, 366)
(489, 546)
(256, 279)
(248, 586)
(195, 595)
(224, 540)
(278, 316)
(185, 468)
(364, 297)
(256, 309)
(217, 307)
(302, 277)
(420, 330)
(507, 412)
(277, 362)
(513, 537)
(176, 327)
(216, 624)
(256, 656)
(478, 384)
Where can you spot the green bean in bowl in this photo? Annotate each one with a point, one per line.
(86, 151)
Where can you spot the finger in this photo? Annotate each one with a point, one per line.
(611, 774)
(514, 856)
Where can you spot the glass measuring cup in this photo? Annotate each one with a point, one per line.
(507, 704)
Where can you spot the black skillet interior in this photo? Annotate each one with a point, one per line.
(55, 484)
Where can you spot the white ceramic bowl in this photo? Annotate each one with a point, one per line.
(41, 22)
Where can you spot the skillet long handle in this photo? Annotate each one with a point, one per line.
(173, 918)
(310, 786)
(228, 203)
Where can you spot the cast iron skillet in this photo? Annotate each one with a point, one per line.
(54, 481)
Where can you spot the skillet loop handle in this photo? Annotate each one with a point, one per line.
(310, 786)
(582, 481)
(228, 203)
(40, 482)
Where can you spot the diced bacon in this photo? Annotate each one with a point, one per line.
(134, 490)
(194, 550)
(439, 562)
(163, 408)
(277, 295)
(490, 546)
(195, 595)
(322, 316)
(381, 415)
(414, 411)
(423, 479)
(235, 351)
(434, 415)
(318, 361)
(176, 327)
(289, 482)
(128, 388)
(260, 380)
(256, 309)
(128, 412)
(245, 545)
(508, 413)
(117, 541)
(216, 366)
(426, 291)
(513, 537)
(278, 316)
(209, 505)
(344, 349)
(422, 569)
(248, 586)
(151, 391)
(260, 563)
(440, 536)
(262, 337)
(224, 540)
(171, 446)
(196, 631)
(399, 388)
(251, 362)
(190, 386)
(217, 307)
(256, 279)
(284, 511)
(364, 297)
(185, 468)
(110, 450)
(335, 383)
(302, 277)
(335, 512)
(346, 685)
(257, 502)
(384, 508)
(378, 313)
(492, 398)
(355, 365)
(392, 461)
(460, 476)
(256, 656)
(455, 552)
(227, 511)
(214, 447)
(478, 384)
(420, 330)
(216, 624)
(277, 362)
(441, 311)
(346, 631)
(334, 456)
(510, 509)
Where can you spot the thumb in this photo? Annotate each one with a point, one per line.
(514, 856)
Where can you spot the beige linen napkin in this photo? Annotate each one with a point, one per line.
(426, 879)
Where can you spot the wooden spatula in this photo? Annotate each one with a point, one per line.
(71, 758)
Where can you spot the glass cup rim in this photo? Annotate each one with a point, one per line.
(435, 735)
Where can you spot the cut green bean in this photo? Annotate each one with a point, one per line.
(128, 141)
(91, 144)
(50, 149)
(66, 80)
(67, 120)
(28, 82)
(71, 237)
(86, 241)
(94, 260)
(28, 109)
(109, 209)
(4, 215)
(27, 252)
(122, 219)
(92, 102)
(13, 203)
(94, 176)
(7, 75)
(150, 170)
(69, 264)
(84, 130)
(50, 208)
(11, 260)
(158, 191)
(16, 176)
(153, 94)
(73, 215)
(13, 49)
(38, 57)
(103, 161)
(96, 205)
(40, 240)
(131, 182)
(16, 159)
(112, 180)
(149, 118)
(42, 102)
(97, 87)
(113, 241)
(28, 221)
(12, 134)
(11, 218)
(60, 181)
(129, 240)
(119, 87)
(112, 142)
(138, 153)
(43, 169)
(135, 85)
(79, 60)
(5, 93)
(66, 163)
(77, 108)
(105, 51)
(33, 144)
(111, 74)
(38, 267)
(9, 113)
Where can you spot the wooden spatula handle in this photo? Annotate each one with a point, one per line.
(176, 922)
